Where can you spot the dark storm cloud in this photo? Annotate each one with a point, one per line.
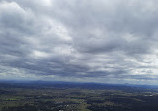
(79, 39)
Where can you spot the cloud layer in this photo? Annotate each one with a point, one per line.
(79, 40)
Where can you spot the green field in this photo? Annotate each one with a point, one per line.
(44, 98)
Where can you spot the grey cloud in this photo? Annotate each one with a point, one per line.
(79, 39)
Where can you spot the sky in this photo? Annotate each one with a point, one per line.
(106, 41)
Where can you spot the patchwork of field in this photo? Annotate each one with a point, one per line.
(17, 97)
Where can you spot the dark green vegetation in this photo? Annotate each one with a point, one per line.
(43, 96)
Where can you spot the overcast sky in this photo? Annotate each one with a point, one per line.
(109, 41)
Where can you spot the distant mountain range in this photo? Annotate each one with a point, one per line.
(61, 84)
